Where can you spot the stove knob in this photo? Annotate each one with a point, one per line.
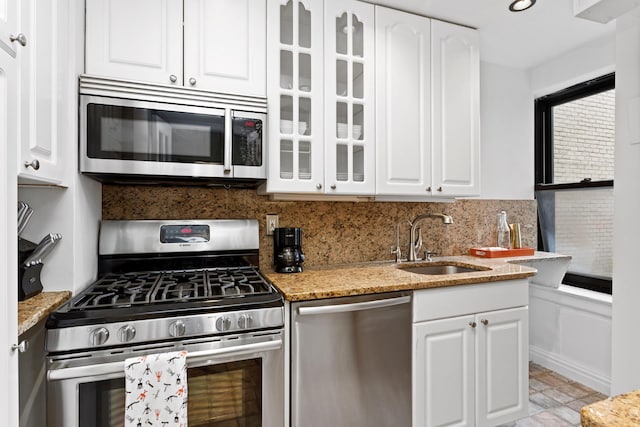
(245, 321)
(223, 324)
(177, 328)
(99, 336)
(126, 333)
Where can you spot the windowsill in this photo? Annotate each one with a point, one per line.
(582, 300)
(586, 294)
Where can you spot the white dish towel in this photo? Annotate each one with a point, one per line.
(156, 390)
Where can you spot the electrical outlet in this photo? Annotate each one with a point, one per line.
(272, 223)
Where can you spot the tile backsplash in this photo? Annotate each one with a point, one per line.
(332, 232)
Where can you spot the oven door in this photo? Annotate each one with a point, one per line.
(235, 380)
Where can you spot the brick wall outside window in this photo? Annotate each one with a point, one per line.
(583, 141)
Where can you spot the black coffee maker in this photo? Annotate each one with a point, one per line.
(287, 250)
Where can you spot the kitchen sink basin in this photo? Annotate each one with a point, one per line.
(442, 268)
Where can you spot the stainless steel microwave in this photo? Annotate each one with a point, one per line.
(132, 131)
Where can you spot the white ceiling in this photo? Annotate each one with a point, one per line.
(520, 40)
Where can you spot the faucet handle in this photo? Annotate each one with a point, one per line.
(428, 254)
(398, 253)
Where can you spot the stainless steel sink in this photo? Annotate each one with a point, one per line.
(439, 269)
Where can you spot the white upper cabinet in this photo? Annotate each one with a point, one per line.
(8, 247)
(456, 109)
(224, 45)
(222, 48)
(349, 97)
(43, 83)
(139, 40)
(295, 96)
(9, 28)
(320, 89)
(403, 100)
(428, 107)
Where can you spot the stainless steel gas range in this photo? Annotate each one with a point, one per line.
(162, 286)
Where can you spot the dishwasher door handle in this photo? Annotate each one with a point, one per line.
(357, 306)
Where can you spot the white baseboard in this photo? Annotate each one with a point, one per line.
(571, 370)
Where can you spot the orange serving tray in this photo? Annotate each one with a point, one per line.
(494, 252)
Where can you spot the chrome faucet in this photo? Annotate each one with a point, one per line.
(416, 242)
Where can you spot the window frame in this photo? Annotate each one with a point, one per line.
(543, 111)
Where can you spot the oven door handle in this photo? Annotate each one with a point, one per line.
(193, 358)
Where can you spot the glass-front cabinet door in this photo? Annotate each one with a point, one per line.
(295, 94)
(349, 97)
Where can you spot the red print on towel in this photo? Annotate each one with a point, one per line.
(143, 395)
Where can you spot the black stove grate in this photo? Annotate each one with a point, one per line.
(132, 289)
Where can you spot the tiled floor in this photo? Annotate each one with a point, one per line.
(554, 400)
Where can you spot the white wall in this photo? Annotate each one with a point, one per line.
(507, 148)
(570, 333)
(590, 60)
(507, 113)
(73, 212)
(626, 289)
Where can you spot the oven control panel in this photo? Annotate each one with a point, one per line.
(185, 233)
(146, 330)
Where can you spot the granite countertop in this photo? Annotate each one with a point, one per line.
(36, 308)
(621, 410)
(379, 277)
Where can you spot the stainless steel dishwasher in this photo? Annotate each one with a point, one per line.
(351, 361)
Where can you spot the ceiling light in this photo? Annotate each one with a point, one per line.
(520, 5)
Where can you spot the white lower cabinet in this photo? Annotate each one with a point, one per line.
(470, 369)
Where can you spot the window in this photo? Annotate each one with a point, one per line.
(575, 140)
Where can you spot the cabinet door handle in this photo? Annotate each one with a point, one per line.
(429, 189)
(319, 186)
(472, 324)
(192, 81)
(333, 186)
(35, 164)
(440, 189)
(173, 78)
(485, 322)
(22, 347)
(20, 38)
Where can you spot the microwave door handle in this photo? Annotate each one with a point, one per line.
(228, 139)
(196, 357)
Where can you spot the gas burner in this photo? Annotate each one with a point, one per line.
(237, 282)
(177, 291)
(143, 288)
(180, 286)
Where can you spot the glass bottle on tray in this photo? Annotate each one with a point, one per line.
(504, 235)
